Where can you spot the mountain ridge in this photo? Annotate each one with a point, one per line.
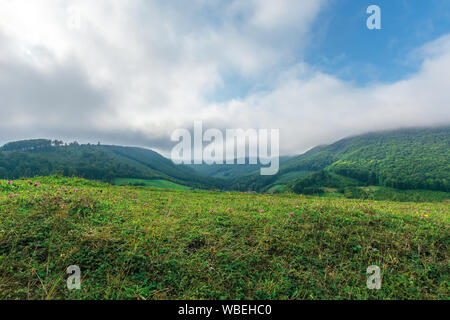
(414, 158)
(402, 158)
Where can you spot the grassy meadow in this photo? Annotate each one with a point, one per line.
(153, 243)
(156, 183)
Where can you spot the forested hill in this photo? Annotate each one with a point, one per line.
(402, 159)
(40, 157)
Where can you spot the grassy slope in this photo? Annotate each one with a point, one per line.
(150, 183)
(167, 244)
(385, 193)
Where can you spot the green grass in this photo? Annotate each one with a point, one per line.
(145, 243)
(150, 183)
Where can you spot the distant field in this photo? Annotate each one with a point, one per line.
(290, 176)
(385, 193)
(377, 193)
(150, 183)
(276, 188)
(143, 243)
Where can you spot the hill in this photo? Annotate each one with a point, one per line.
(143, 243)
(374, 166)
(29, 158)
(401, 159)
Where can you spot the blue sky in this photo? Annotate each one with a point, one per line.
(340, 43)
(343, 45)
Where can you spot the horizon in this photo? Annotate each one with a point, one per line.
(167, 154)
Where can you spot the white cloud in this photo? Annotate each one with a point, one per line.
(131, 72)
(312, 108)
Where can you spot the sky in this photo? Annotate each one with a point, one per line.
(131, 72)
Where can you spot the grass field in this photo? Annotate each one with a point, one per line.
(150, 183)
(145, 243)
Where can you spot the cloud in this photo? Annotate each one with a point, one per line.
(310, 107)
(132, 72)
